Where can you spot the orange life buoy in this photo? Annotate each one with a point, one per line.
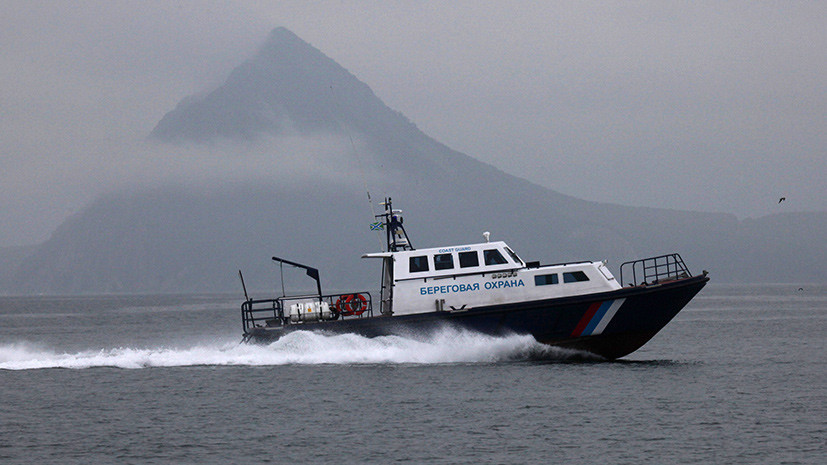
(351, 304)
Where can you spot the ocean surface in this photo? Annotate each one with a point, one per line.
(739, 377)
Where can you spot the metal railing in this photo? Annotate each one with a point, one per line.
(654, 270)
(276, 312)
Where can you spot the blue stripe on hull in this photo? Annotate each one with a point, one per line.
(601, 312)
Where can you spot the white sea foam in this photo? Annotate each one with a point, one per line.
(298, 348)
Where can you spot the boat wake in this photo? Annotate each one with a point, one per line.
(300, 348)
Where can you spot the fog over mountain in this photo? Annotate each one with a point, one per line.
(302, 142)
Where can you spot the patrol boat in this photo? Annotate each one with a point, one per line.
(488, 288)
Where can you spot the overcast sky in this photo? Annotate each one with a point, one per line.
(712, 106)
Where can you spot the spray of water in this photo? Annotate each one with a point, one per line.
(298, 348)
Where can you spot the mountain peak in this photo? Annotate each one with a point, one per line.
(285, 48)
(280, 37)
(282, 33)
(288, 85)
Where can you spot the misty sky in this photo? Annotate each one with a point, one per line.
(712, 106)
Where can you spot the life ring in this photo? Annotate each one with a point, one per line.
(351, 304)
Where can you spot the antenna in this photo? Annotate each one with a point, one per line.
(241, 276)
(334, 101)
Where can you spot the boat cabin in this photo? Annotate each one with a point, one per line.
(460, 278)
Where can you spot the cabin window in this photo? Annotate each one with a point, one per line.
(545, 279)
(443, 261)
(469, 259)
(419, 263)
(575, 277)
(513, 256)
(493, 257)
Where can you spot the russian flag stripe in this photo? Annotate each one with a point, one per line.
(578, 330)
(610, 313)
(597, 317)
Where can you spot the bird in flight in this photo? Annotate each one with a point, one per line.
(782, 199)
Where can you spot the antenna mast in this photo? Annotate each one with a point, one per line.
(396, 236)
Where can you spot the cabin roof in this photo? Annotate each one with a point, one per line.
(439, 250)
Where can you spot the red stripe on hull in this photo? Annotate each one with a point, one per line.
(578, 330)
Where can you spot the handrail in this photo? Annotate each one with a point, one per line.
(275, 312)
(654, 270)
(251, 310)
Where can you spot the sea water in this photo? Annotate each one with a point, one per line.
(739, 376)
